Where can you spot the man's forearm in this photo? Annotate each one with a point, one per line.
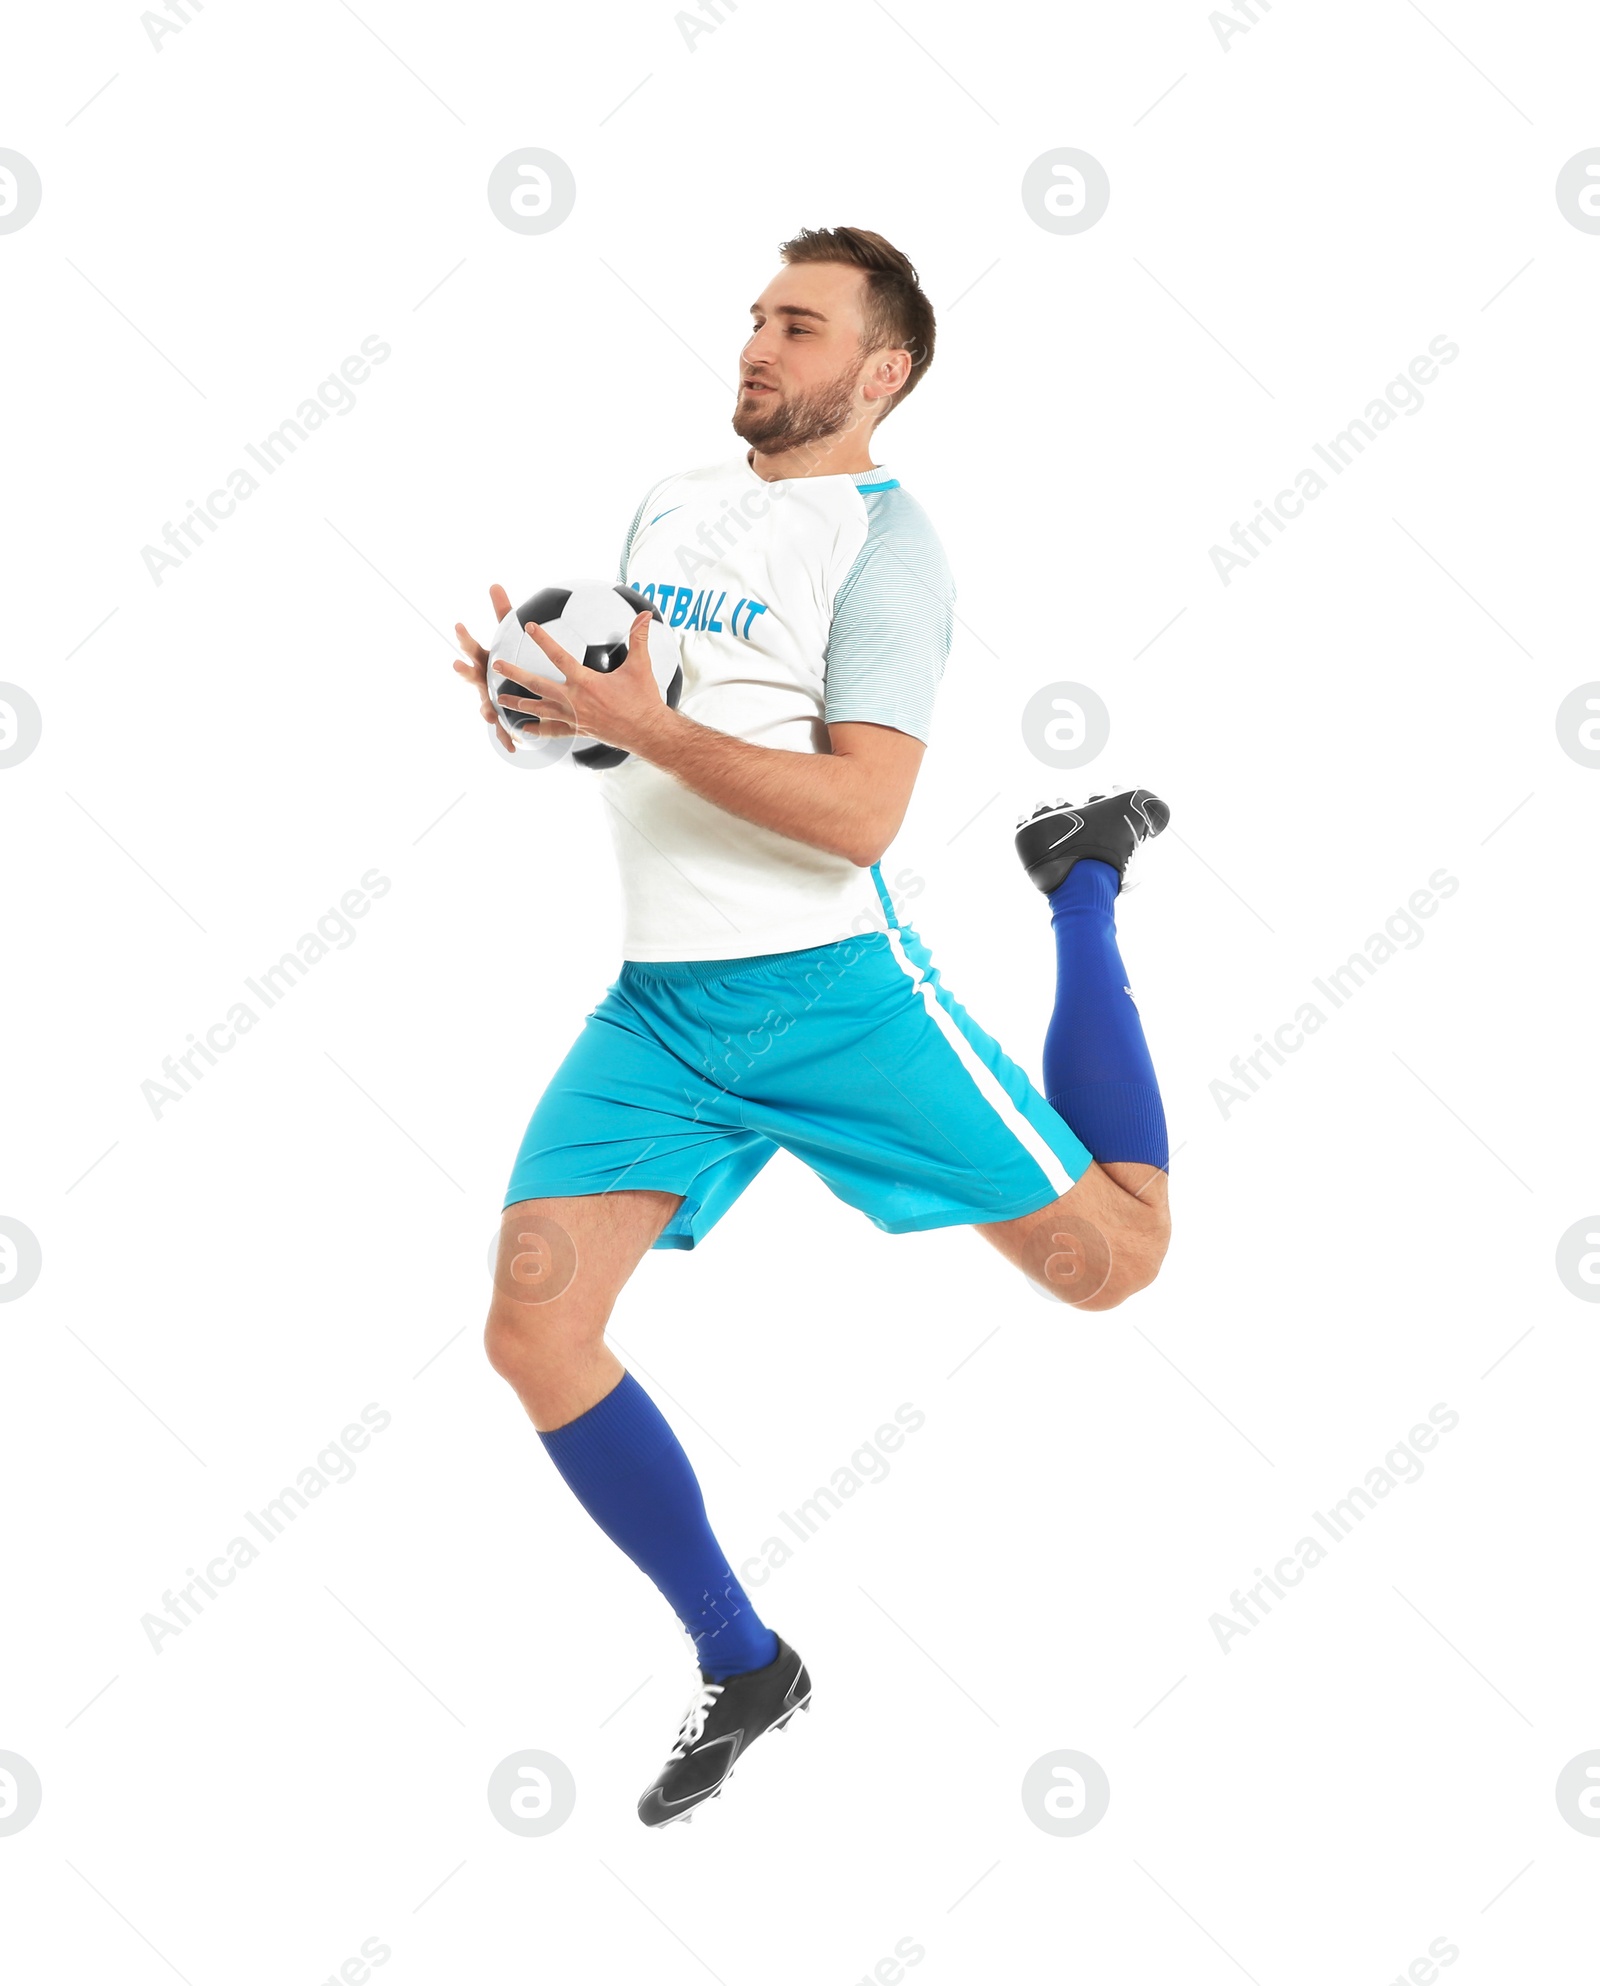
(817, 798)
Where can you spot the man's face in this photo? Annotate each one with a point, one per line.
(801, 370)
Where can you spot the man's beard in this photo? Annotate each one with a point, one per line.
(800, 422)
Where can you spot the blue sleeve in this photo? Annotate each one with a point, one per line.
(892, 622)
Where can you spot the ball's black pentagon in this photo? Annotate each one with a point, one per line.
(639, 603)
(547, 605)
(600, 758)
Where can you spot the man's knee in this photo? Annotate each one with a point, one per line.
(541, 1314)
(1135, 1258)
(514, 1341)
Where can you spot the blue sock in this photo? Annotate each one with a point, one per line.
(627, 1468)
(1097, 1069)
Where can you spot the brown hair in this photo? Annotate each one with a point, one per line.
(897, 314)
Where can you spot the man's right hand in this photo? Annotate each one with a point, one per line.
(475, 669)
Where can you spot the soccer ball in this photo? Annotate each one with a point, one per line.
(591, 623)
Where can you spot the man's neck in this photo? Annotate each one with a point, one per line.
(845, 454)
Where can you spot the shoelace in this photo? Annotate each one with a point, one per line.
(694, 1718)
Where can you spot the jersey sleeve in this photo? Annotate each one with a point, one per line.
(892, 622)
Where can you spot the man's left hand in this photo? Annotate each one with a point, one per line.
(622, 706)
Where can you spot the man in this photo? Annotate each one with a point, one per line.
(769, 994)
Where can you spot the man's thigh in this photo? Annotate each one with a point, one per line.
(1097, 1243)
(560, 1266)
(568, 1258)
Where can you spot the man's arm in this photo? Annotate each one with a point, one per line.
(848, 801)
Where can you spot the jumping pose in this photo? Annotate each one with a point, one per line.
(769, 993)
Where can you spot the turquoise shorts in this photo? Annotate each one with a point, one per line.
(688, 1076)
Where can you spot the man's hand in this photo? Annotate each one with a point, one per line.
(848, 800)
(622, 706)
(475, 669)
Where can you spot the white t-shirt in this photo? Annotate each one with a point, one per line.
(811, 601)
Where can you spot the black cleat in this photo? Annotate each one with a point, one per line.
(722, 1722)
(1108, 827)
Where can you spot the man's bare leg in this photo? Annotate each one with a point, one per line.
(561, 1267)
(1099, 1242)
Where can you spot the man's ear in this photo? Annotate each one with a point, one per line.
(890, 374)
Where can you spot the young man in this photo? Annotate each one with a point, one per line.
(769, 996)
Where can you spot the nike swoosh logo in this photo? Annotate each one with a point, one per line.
(663, 513)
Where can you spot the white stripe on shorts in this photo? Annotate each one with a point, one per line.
(988, 1083)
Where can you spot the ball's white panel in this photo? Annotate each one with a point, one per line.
(511, 644)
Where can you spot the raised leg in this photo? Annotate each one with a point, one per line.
(1105, 1238)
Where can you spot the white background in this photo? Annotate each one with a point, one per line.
(224, 755)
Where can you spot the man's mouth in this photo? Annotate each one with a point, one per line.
(758, 386)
